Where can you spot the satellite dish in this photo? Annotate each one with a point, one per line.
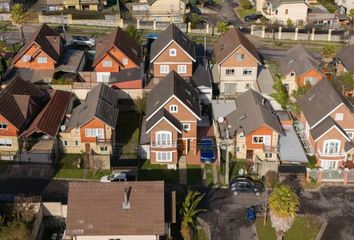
(220, 119)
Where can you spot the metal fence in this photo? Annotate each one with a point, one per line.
(350, 177)
(333, 175)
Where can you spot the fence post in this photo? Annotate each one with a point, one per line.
(189, 29)
(263, 31)
(346, 175)
(138, 23)
(121, 23)
(154, 25)
(319, 176)
(279, 32)
(308, 175)
(252, 30)
(329, 36)
(207, 28)
(40, 18)
(296, 33)
(313, 34)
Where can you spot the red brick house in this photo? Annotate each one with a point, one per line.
(173, 50)
(115, 52)
(172, 113)
(327, 124)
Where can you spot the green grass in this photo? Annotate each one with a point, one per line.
(201, 235)
(194, 175)
(244, 12)
(209, 175)
(300, 230)
(157, 172)
(235, 167)
(128, 131)
(328, 4)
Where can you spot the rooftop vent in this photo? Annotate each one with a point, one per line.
(264, 101)
(126, 203)
(291, 61)
(243, 117)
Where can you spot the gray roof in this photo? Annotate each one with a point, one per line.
(102, 103)
(320, 100)
(172, 33)
(253, 110)
(277, 3)
(71, 61)
(348, 146)
(202, 76)
(163, 113)
(221, 108)
(172, 85)
(290, 148)
(299, 60)
(346, 57)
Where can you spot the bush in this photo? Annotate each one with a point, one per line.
(246, 4)
(62, 81)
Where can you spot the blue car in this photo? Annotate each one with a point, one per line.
(206, 151)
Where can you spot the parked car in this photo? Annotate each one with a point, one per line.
(118, 177)
(206, 151)
(245, 184)
(83, 41)
(253, 17)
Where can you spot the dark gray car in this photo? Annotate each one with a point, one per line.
(245, 184)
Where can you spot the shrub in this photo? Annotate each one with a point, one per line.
(246, 4)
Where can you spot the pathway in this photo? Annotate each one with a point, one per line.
(182, 170)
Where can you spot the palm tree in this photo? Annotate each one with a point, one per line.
(283, 207)
(19, 17)
(189, 212)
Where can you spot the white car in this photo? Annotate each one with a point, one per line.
(83, 41)
(117, 177)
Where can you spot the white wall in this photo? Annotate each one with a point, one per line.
(120, 237)
(296, 11)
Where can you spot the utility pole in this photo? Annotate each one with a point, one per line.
(63, 26)
(227, 171)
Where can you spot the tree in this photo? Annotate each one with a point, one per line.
(351, 14)
(328, 52)
(222, 27)
(133, 32)
(3, 48)
(296, 95)
(346, 82)
(140, 104)
(283, 207)
(3, 66)
(194, 19)
(245, 4)
(19, 17)
(289, 23)
(189, 212)
(281, 95)
(14, 231)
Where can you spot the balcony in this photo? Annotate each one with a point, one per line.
(103, 140)
(332, 154)
(270, 148)
(163, 144)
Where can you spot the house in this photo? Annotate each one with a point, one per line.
(20, 102)
(299, 67)
(115, 52)
(344, 5)
(237, 63)
(172, 113)
(124, 210)
(130, 78)
(90, 127)
(5, 5)
(344, 60)
(327, 123)
(55, 5)
(280, 11)
(90, 5)
(159, 10)
(254, 131)
(173, 50)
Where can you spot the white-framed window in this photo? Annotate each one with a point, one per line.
(329, 164)
(77, 142)
(125, 61)
(103, 148)
(350, 134)
(164, 69)
(186, 126)
(163, 138)
(3, 125)
(5, 142)
(331, 146)
(247, 72)
(173, 108)
(261, 139)
(181, 69)
(292, 74)
(26, 58)
(230, 72)
(65, 142)
(173, 52)
(339, 116)
(310, 80)
(107, 63)
(164, 156)
(268, 155)
(103, 76)
(240, 56)
(94, 132)
(42, 60)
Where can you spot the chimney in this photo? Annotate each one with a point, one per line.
(263, 101)
(126, 203)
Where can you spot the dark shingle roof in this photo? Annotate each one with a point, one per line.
(102, 103)
(253, 111)
(47, 39)
(298, 59)
(322, 127)
(320, 100)
(202, 76)
(229, 42)
(172, 85)
(95, 208)
(346, 57)
(120, 39)
(172, 33)
(162, 113)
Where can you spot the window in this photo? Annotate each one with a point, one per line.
(173, 52)
(163, 138)
(77, 143)
(258, 139)
(3, 125)
(276, 12)
(350, 134)
(26, 58)
(94, 132)
(247, 72)
(328, 164)
(292, 74)
(286, 11)
(230, 88)
(5, 143)
(173, 108)
(182, 69)
(268, 155)
(241, 135)
(240, 56)
(65, 142)
(186, 126)
(107, 63)
(230, 72)
(164, 156)
(310, 80)
(103, 148)
(339, 117)
(103, 76)
(125, 61)
(331, 147)
(164, 69)
(42, 60)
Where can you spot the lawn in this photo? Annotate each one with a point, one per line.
(157, 172)
(194, 175)
(128, 132)
(329, 5)
(209, 175)
(300, 230)
(244, 12)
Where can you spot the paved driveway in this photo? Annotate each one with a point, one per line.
(228, 14)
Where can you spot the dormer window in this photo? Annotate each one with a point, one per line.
(173, 52)
(42, 60)
(3, 125)
(240, 56)
(125, 61)
(173, 108)
(26, 58)
(107, 63)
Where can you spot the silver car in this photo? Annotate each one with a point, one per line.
(83, 41)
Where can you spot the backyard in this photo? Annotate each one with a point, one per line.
(194, 175)
(157, 172)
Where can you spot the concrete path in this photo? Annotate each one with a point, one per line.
(182, 170)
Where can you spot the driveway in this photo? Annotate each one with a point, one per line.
(226, 214)
(228, 14)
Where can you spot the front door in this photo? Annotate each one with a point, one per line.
(87, 148)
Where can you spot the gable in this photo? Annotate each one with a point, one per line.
(115, 64)
(249, 60)
(34, 51)
(348, 117)
(11, 129)
(332, 133)
(163, 125)
(181, 56)
(183, 113)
